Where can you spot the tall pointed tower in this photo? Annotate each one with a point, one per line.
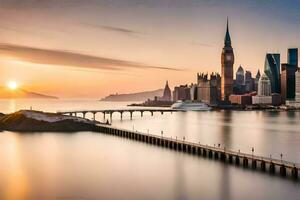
(227, 61)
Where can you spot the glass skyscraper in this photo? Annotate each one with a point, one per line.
(272, 70)
(293, 56)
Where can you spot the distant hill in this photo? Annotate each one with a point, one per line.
(140, 96)
(20, 93)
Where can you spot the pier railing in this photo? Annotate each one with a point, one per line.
(273, 166)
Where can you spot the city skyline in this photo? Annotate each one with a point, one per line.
(166, 40)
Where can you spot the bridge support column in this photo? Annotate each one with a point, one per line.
(131, 114)
(263, 165)
(295, 173)
(216, 155)
(245, 162)
(83, 114)
(199, 151)
(272, 168)
(223, 157)
(121, 113)
(254, 164)
(110, 116)
(204, 153)
(94, 116)
(230, 158)
(151, 113)
(237, 160)
(210, 154)
(282, 170)
(142, 113)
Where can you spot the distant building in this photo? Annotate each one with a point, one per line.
(288, 81)
(272, 70)
(239, 82)
(245, 99)
(227, 61)
(240, 76)
(264, 86)
(249, 82)
(296, 101)
(194, 92)
(208, 89)
(167, 96)
(293, 56)
(181, 93)
(263, 96)
(256, 80)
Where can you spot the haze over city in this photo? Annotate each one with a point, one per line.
(93, 48)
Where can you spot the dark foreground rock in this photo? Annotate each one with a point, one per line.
(35, 121)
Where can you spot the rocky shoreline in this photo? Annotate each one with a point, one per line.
(37, 121)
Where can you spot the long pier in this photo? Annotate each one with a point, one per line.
(111, 111)
(254, 162)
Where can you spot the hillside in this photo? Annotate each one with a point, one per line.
(36, 121)
(140, 96)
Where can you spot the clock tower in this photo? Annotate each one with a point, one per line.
(227, 60)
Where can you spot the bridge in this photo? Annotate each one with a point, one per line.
(110, 112)
(247, 161)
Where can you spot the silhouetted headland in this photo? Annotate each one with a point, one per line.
(37, 121)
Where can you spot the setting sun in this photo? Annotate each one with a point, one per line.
(12, 85)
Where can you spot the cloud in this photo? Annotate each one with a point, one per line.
(115, 29)
(71, 59)
(201, 44)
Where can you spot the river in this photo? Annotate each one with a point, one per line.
(91, 166)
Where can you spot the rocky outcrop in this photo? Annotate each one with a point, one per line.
(35, 121)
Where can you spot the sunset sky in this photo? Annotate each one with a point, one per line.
(91, 48)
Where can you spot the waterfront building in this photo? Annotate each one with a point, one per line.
(256, 80)
(272, 70)
(288, 81)
(227, 61)
(181, 93)
(293, 56)
(208, 89)
(245, 99)
(263, 96)
(249, 82)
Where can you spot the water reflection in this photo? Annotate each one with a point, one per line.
(225, 129)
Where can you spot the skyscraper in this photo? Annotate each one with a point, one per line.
(256, 80)
(240, 76)
(249, 82)
(272, 70)
(288, 81)
(293, 56)
(227, 61)
(288, 78)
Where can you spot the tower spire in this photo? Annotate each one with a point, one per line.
(227, 41)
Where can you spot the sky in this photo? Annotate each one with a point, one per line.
(92, 48)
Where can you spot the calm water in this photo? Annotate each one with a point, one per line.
(94, 166)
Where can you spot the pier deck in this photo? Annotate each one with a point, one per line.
(273, 166)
